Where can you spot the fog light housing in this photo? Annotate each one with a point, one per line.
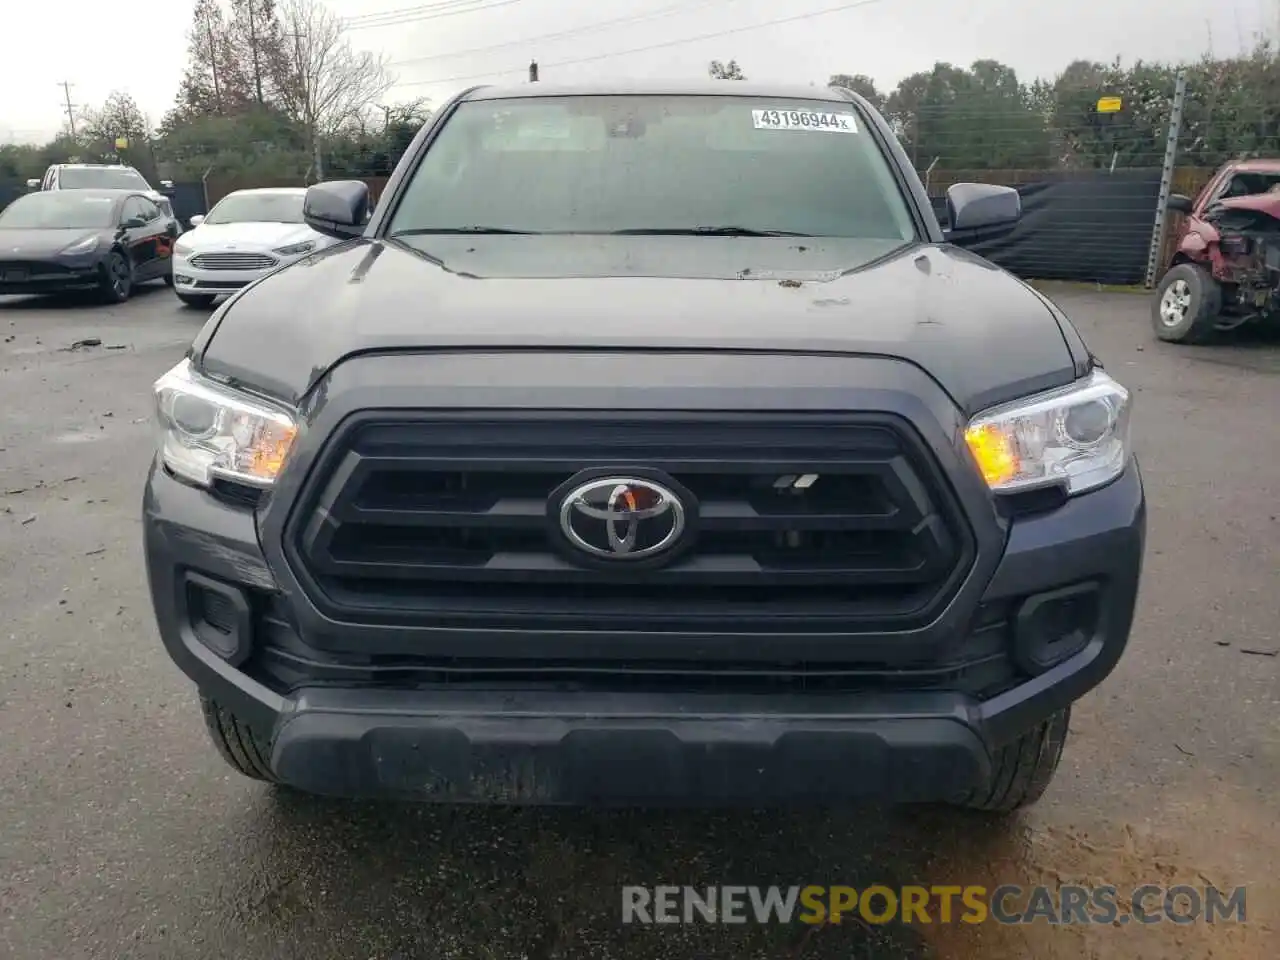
(220, 617)
(1054, 626)
(181, 278)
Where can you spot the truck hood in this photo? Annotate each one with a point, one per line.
(1268, 203)
(982, 334)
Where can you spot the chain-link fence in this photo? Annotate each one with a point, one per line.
(1090, 179)
(1095, 168)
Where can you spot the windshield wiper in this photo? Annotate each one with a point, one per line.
(424, 231)
(707, 232)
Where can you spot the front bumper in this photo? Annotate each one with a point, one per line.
(555, 744)
(546, 747)
(33, 280)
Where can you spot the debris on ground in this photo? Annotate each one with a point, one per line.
(1260, 653)
(86, 342)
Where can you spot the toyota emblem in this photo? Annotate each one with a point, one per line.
(622, 518)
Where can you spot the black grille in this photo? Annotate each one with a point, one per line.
(979, 666)
(448, 518)
(220, 284)
(32, 269)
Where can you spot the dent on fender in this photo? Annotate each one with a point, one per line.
(238, 566)
(167, 499)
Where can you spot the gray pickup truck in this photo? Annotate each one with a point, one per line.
(650, 444)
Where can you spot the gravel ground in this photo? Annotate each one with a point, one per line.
(123, 835)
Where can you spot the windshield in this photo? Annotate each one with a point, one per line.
(257, 208)
(100, 178)
(1248, 184)
(698, 164)
(55, 210)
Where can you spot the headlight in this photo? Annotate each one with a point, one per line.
(209, 431)
(305, 247)
(181, 250)
(83, 245)
(1077, 436)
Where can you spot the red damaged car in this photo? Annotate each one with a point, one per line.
(1226, 271)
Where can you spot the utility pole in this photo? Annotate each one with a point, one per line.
(71, 114)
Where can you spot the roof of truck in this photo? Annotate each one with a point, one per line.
(708, 87)
(94, 166)
(1257, 165)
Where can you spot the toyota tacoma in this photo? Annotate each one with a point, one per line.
(649, 444)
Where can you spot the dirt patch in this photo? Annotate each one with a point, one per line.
(1228, 842)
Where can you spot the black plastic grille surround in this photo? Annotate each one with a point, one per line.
(446, 517)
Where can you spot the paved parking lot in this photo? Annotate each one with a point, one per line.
(123, 835)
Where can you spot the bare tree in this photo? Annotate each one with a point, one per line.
(725, 71)
(326, 85)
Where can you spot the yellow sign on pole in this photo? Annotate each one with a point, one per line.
(122, 143)
(1110, 104)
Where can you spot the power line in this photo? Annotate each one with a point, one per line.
(421, 8)
(654, 46)
(636, 18)
(474, 6)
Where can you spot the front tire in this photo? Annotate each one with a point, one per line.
(201, 300)
(117, 280)
(1021, 771)
(242, 748)
(1187, 305)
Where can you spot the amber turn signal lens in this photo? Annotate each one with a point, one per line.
(994, 451)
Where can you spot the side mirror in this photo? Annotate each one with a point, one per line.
(132, 223)
(339, 208)
(196, 219)
(33, 184)
(1179, 203)
(982, 206)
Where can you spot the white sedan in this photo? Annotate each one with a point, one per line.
(248, 234)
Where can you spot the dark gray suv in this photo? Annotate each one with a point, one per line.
(648, 445)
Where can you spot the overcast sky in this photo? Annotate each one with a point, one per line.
(140, 45)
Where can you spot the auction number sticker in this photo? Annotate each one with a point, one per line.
(803, 120)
